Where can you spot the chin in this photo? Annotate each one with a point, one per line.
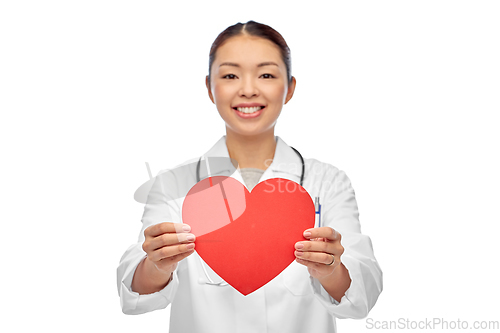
(250, 132)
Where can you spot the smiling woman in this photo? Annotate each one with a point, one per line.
(248, 84)
(332, 272)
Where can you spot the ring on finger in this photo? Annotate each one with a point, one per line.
(333, 260)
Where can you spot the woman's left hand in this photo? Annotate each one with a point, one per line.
(321, 252)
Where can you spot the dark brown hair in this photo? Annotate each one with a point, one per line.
(253, 28)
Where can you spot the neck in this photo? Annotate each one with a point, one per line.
(251, 152)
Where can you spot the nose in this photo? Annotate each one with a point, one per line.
(248, 88)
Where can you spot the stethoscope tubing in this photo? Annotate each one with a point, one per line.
(198, 178)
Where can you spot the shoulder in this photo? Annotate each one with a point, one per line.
(325, 176)
(178, 180)
(188, 164)
(321, 169)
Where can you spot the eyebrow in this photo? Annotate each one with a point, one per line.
(262, 64)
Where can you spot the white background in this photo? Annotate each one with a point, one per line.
(401, 95)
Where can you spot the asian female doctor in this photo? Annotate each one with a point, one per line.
(335, 273)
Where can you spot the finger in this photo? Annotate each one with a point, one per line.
(322, 232)
(166, 227)
(316, 267)
(315, 246)
(170, 251)
(169, 239)
(332, 247)
(167, 262)
(315, 257)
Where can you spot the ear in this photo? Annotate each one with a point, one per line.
(291, 89)
(207, 83)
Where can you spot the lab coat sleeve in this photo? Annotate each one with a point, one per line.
(159, 208)
(340, 212)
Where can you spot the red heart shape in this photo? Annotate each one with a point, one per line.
(247, 238)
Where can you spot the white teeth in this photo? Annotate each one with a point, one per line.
(250, 110)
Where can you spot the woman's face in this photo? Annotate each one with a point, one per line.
(249, 84)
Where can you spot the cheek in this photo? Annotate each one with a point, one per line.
(217, 92)
(277, 93)
(221, 93)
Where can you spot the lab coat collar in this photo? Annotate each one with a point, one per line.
(286, 163)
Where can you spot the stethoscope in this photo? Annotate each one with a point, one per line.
(198, 178)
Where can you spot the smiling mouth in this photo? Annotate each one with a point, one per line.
(249, 110)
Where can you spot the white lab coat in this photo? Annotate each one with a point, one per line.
(293, 301)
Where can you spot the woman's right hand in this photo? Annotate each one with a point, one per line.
(165, 244)
(168, 243)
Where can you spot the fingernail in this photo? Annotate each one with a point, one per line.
(307, 234)
(298, 253)
(186, 228)
(190, 237)
(190, 246)
(299, 246)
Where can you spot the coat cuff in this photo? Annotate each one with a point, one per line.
(134, 303)
(359, 297)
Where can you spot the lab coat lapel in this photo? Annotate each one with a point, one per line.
(286, 163)
(220, 150)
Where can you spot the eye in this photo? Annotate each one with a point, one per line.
(267, 76)
(229, 76)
